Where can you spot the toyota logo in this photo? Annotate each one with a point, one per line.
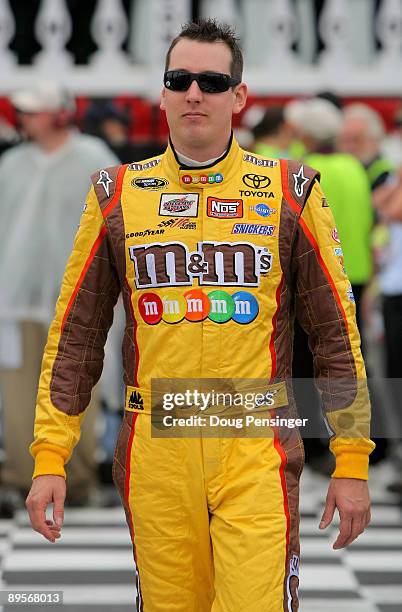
(258, 181)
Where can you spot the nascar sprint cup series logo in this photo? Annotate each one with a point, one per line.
(150, 184)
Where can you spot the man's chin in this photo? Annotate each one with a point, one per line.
(196, 135)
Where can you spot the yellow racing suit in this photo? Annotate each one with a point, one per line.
(212, 263)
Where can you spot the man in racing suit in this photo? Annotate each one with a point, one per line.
(213, 249)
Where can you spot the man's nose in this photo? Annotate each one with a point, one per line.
(194, 93)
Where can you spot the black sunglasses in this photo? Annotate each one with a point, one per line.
(208, 82)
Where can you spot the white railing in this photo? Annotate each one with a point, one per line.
(349, 64)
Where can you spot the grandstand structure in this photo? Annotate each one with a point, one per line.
(292, 47)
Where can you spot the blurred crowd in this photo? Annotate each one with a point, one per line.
(45, 164)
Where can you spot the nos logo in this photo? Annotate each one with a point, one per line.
(224, 209)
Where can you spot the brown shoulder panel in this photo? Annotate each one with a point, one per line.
(322, 319)
(130, 361)
(115, 227)
(104, 182)
(301, 179)
(79, 359)
(108, 187)
(287, 229)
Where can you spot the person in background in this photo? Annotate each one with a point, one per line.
(332, 97)
(388, 200)
(273, 135)
(112, 123)
(392, 144)
(317, 122)
(9, 136)
(43, 183)
(361, 135)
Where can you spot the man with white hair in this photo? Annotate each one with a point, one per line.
(361, 135)
(43, 183)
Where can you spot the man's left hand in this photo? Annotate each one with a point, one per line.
(351, 497)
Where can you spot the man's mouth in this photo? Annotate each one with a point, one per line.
(194, 114)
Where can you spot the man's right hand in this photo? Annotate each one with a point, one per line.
(45, 490)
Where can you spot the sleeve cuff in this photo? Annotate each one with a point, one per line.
(351, 465)
(49, 462)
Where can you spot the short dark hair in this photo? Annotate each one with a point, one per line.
(209, 30)
(271, 122)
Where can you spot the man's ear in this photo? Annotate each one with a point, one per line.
(162, 104)
(240, 98)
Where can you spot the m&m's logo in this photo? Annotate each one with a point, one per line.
(194, 305)
(204, 179)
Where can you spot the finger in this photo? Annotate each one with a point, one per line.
(328, 513)
(54, 529)
(37, 514)
(39, 521)
(47, 533)
(58, 508)
(53, 535)
(368, 517)
(356, 530)
(345, 529)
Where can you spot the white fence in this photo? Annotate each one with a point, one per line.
(349, 63)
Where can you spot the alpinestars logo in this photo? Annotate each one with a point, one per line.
(300, 181)
(104, 180)
(136, 402)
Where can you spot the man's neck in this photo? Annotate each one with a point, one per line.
(188, 161)
(204, 155)
(54, 140)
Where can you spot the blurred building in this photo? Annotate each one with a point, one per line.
(116, 48)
